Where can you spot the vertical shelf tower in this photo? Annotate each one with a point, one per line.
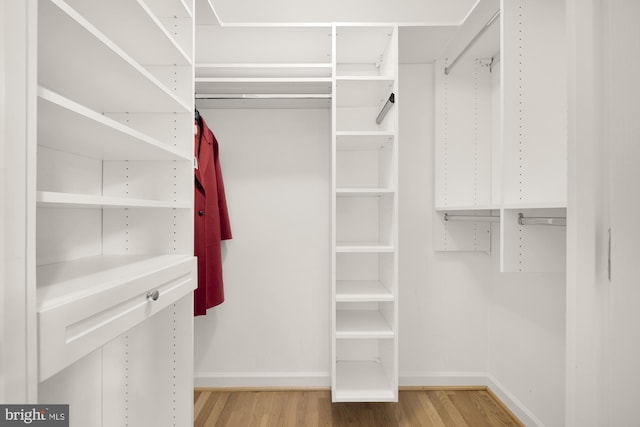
(111, 210)
(364, 308)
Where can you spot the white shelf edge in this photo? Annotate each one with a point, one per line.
(364, 78)
(263, 79)
(364, 191)
(214, 65)
(352, 133)
(103, 39)
(62, 200)
(362, 291)
(70, 105)
(554, 205)
(513, 206)
(156, 20)
(467, 208)
(362, 324)
(364, 248)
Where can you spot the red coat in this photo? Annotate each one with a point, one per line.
(211, 221)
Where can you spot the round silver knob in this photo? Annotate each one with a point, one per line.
(154, 295)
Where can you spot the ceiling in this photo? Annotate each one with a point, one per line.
(437, 12)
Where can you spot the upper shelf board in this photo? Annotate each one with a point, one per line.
(70, 49)
(133, 25)
(68, 126)
(260, 70)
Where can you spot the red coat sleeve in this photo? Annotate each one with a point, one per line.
(225, 225)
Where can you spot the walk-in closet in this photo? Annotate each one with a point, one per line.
(358, 198)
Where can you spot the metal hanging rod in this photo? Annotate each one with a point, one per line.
(536, 220)
(262, 96)
(385, 109)
(471, 218)
(486, 26)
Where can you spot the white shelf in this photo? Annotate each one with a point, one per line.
(364, 134)
(70, 49)
(467, 208)
(64, 125)
(262, 70)
(359, 381)
(538, 205)
(265, 103)
(263, 85)
(355, 192)
(362, 291)
(364, 247)
(362, 324)
(66, 200)
(133, 26)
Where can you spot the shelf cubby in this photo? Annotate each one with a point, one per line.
(365, 163)
(364, 320)
(365, 219)
(365, 371)
(366, 51)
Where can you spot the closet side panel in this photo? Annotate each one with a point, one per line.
(18, 381)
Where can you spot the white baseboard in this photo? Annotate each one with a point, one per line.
(262, 379)
(442, 379)
(515, 405)
(406, 379)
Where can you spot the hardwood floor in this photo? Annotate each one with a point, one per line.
(304, 408)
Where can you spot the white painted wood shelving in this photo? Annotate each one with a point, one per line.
(263, 66)
(364, 314)
(501, 126)
(111, 209)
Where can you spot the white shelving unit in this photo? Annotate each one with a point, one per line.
(364, 313)
(264, 67)
(501, 135)
(111, 209)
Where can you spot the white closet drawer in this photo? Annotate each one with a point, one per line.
(84, 304)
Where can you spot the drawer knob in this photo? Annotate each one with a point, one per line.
(153, 295)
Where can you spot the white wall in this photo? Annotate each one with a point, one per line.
(443, 295)
(527, 340)
(273, 328)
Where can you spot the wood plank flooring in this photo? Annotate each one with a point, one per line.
(310, 408)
